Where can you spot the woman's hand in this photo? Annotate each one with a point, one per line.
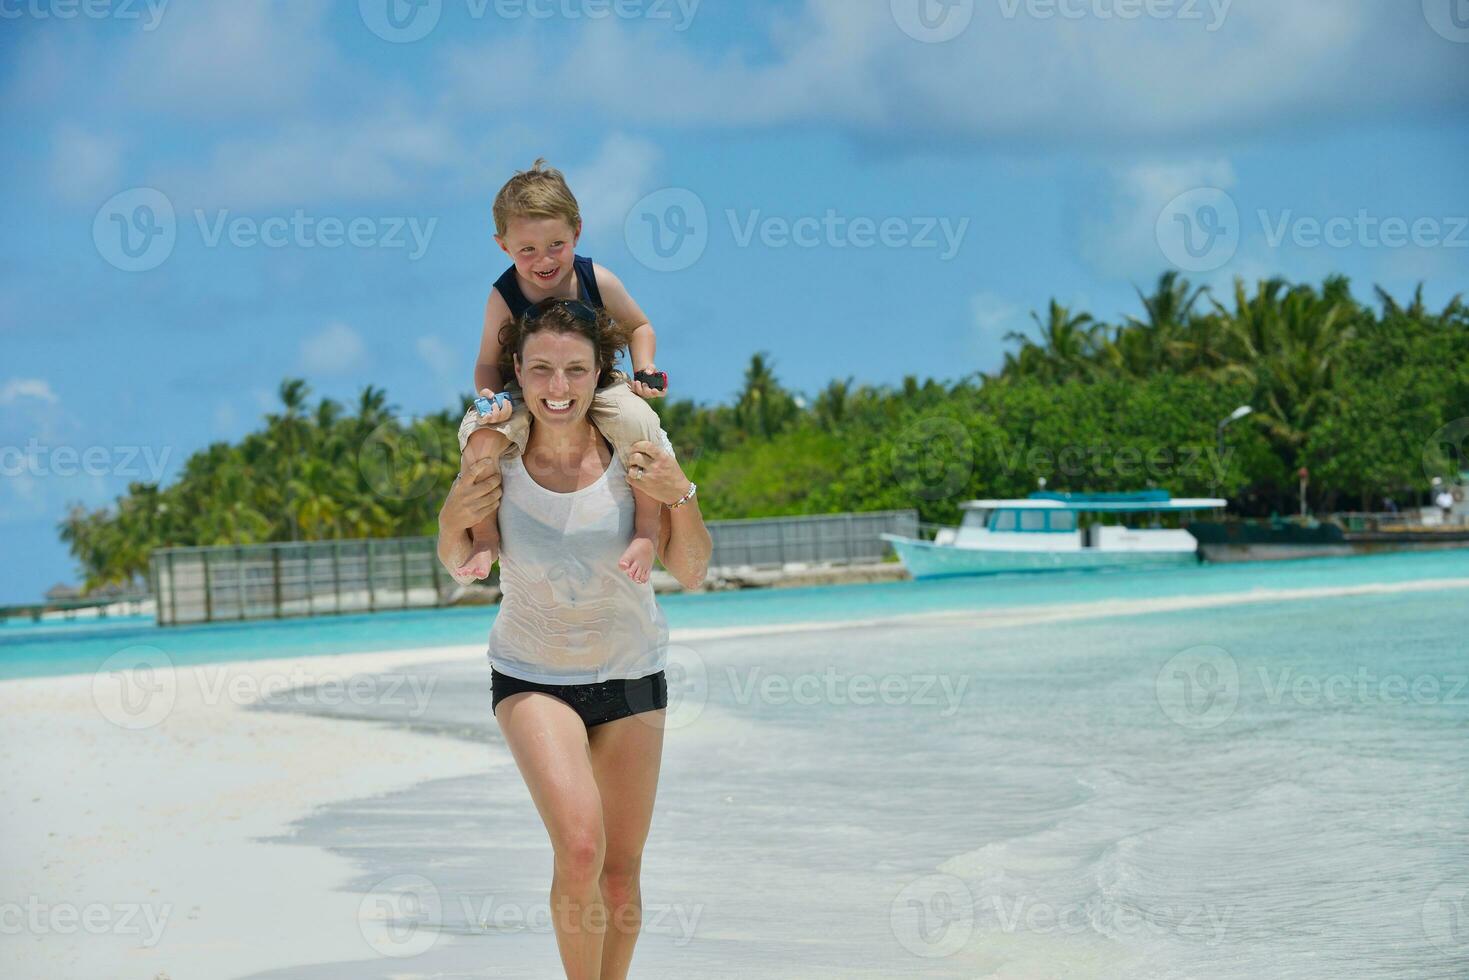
(645, 390)
(684, 544)
(656, 473)
(473, 497)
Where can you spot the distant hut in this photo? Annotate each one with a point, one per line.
(61, 592)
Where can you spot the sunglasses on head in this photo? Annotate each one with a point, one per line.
(575, 307)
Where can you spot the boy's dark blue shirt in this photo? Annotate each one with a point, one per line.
(586, 279)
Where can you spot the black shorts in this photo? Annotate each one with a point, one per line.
(596, 703)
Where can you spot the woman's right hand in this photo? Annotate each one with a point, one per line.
(473, 497)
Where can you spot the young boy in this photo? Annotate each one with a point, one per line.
(537, 224)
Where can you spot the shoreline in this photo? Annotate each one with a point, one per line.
(180, 820)
(161, 831)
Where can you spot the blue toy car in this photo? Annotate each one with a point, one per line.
(487, 405)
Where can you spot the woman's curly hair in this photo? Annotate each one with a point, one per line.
(607, 337)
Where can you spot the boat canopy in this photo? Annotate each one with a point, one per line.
(1135, 501)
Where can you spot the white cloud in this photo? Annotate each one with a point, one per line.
(1117, 234)
(36, 388)
(84, 165)
(389, 156)
(334, 349)
(608, 185)
(1018, 80)
(452, 373)
(224, 419)
(993, 314)
(437, 355)
(217, 57)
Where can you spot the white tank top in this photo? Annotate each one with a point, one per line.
(568, 614)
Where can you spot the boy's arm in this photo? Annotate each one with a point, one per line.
(487, 366)
(624, 309)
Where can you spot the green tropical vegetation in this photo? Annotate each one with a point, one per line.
(1352, 392)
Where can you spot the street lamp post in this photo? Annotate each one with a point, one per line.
(1234, 416)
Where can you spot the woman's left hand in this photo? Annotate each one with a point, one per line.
(656, 473)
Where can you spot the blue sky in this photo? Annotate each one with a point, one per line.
(856, 189)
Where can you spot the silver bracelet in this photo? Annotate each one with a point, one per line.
(687, 496)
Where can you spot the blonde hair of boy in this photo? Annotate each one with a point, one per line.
(539, 192)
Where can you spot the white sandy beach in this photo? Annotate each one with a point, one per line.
(138, 852)
(153, 831)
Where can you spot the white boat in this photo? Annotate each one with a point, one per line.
(1046, 531)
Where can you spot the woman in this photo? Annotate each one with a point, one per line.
(578, 648)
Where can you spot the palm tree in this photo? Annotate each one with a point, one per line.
(1067, 349)
(1289, 343)
(1163, 333)
(764, 407)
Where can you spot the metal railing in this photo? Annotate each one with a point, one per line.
(315, 578)
(298, 578)
(832, 538)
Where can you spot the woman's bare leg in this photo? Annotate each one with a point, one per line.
(626, 755)
(549, 743)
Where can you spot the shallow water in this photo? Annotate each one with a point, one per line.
(81, 646)
(1277, 789)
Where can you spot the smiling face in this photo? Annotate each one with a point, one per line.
(558, 376)
(542, 250)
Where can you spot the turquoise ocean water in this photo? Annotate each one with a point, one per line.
(35, 650)
(1270, 789)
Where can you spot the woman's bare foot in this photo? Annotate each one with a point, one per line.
(486, 548)
(637, 560)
